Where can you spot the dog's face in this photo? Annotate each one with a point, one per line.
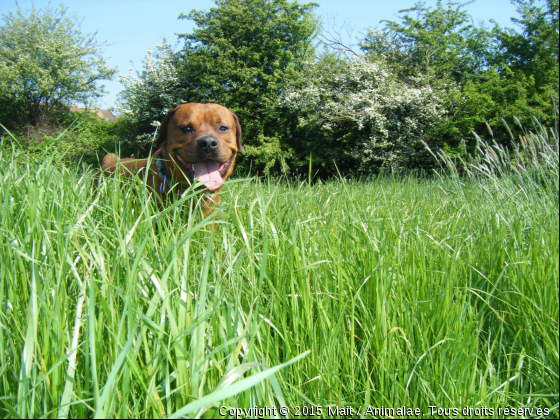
(201, 142)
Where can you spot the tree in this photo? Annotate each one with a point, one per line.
(534, 50)
(488, 75)
(522, 82)
(46, 63)
(440, 43)
(241, 54)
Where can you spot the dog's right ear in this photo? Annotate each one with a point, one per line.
(162, 136)
(238, 134)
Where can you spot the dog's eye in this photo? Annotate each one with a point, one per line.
(223, 129)
(187, 129)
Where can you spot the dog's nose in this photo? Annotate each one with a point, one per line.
(208, 144)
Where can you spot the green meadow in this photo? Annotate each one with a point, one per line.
(379, 297)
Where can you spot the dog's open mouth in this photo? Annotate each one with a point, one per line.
(208, 171)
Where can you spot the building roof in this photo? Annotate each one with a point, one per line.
(101, 113)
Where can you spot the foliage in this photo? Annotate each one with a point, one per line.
(362, 116)
(86, 139)
(533, 51)
(431, 76)
(91, 137)
(46, 63)
(441, 44)
(442, 47)
(148, 95)
(488, 75)
(488, 102)
(533, 160)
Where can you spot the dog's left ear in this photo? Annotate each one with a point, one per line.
(162, 136)
(238, 134)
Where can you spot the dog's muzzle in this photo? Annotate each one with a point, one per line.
(207, 171)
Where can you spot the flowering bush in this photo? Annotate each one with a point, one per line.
(354, 114)
(149, 94)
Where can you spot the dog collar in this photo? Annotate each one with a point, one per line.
(164, 182)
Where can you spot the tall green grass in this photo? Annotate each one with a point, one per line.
(382, 293)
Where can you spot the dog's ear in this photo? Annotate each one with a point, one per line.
(238, 134)
(162, 136)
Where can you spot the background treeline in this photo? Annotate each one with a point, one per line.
(433, 76)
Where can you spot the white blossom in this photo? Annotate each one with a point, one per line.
(149, 94)
(387, 117)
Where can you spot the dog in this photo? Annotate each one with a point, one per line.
(197, 143)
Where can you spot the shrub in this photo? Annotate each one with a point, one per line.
(356, 116)
(87, 138)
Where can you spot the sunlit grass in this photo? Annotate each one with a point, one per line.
(387, 292)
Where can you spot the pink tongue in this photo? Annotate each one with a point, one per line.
(207, 172)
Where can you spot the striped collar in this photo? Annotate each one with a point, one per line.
(164, 182)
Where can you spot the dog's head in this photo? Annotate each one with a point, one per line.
(200, 142)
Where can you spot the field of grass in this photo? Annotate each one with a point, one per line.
(325, 299)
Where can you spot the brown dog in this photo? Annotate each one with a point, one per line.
(199, 142)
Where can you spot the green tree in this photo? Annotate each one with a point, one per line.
(522, 82)
(241, 54)
(533, 51)
(440, 43)
(488, 75)
(492, 99)
(46, 63)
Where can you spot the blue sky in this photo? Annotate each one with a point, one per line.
(131, 27)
